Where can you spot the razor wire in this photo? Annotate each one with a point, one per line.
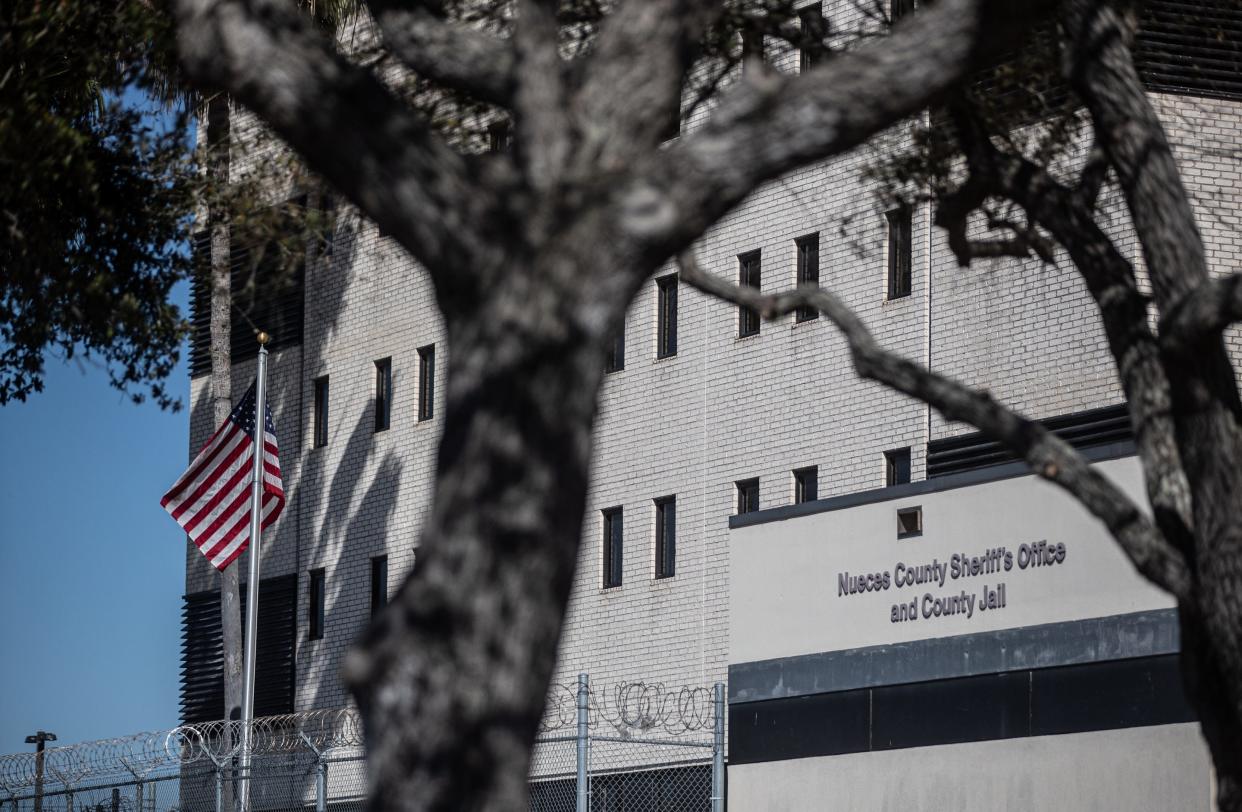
(638, 746)
(208, 744)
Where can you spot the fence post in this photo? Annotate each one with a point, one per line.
(718, 747)
(219, 788)
(583, 800)
(138, 796)
(321, 785)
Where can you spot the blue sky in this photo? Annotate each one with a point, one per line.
(91, 568)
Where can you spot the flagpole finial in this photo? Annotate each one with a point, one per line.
(263, 338)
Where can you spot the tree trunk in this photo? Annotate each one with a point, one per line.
(504, 530)
(219, 129)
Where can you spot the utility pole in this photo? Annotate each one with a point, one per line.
(39, 740)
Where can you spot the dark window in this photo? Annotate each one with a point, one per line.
(616, 354)
(748, 274)
(898, 252)
(896, 467)
(666, 317)
(808, 270)
(314, 613)
(909, 522)
(901, 8)
(612, 547)
(379, 583)
(320, 422)
(812, 19)
(752, 47)
(426, 382)
(806, 484)
(666, 537)
(747, 495)
(383, 394)
(499, 136)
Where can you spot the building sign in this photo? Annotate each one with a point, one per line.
(932, 578)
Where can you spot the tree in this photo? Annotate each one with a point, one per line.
(536, 253)
(92, 207)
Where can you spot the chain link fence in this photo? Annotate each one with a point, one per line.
(633, 748)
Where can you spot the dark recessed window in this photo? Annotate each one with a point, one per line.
(899, 262)
(901, 8)
(315, 602)
(747, 495)
(666, 316)
(615, 362)
(666, 537)
(752, 47)
(748, 275)
(909, 522)
(499, 136)
(320, 419)
(426, 382)
(383, 394)
(806, 484)
(808, 270)
(812, 19)
(897, 467)
(379, 583)
(612, 547)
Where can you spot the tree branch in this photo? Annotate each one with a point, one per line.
(772, 123)
(1048, 455)
(1201, 314)
(453, 55)
(1123, 311)
(342, 119)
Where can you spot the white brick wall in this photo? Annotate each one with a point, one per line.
(722, 409)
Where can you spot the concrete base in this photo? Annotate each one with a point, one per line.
(1149, 768)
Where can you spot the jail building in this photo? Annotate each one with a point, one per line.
(904, 616)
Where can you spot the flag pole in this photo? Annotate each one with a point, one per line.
(252, 583)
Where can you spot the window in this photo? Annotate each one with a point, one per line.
(666, 537)
(748, 274)
(616, 355)
(812, 20)
(808, 270)
(379, 583)
(612, 547)
(666, 317)
(752, 47)
(426, 382)
(898, 252)
(383, 393)
(499, 136)
(806, 484)
(747, 495)
(909, 522)
(896, 467)
(901, 8)
(320, 421)
(314, 613)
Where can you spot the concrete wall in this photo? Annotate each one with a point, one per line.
(1147, 769)
(786, 600)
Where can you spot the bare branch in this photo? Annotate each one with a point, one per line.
(1123, 311)
(953, 215)
(1094, 172)
(773, 123)
(453, 55)
(1202, 314)
(1048, 455)
(341, 118)
(541, 105)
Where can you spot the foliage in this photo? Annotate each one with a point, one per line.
(92, 202)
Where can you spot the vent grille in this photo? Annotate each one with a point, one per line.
(970, 452)
(202, 658)
(275, 307)
(1192, 48)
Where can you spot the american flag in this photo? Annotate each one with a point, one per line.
(211, 500)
